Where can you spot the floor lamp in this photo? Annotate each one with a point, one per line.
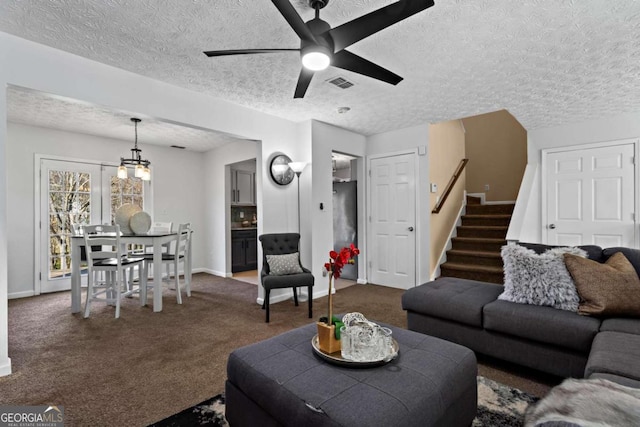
(297, 168)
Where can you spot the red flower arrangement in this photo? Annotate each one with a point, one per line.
(337, 260)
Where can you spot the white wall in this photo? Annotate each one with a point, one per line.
(177, 192)
(39, 67)
(613, 128)
(402, 140)
(217, 234)
(326, 139)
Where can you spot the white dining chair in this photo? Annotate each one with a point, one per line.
(106, 254)
(156, 228)
(179, 255)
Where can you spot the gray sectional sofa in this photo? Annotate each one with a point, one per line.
(555, 341)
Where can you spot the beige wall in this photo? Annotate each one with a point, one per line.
(446, 149)
(496, 146)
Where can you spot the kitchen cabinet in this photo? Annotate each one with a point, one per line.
(243, 187)
(244, 250)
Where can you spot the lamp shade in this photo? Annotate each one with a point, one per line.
(146, 174)
(297, 167)
(122, 172)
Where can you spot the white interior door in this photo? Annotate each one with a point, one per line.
(70, 193)
(591, 196)
(392, 246)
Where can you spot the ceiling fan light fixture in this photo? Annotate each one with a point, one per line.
(316, 58)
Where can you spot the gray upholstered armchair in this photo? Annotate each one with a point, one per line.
(281, 267)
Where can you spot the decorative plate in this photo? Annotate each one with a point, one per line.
(140, 222)
(337, 359)
(124, 214)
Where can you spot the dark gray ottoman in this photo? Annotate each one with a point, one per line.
(281, 382)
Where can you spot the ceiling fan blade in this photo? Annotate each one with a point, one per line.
(295, 21)
(212, 53)
(303, 82)
(352, 62)
(351, 32)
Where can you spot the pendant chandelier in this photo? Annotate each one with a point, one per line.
(141, 166)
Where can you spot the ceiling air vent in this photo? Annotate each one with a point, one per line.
(341, 82)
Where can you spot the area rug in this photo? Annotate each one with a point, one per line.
(498, 406)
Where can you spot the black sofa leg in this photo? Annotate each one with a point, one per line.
(266, 303)
(310, 298)
(295, 296)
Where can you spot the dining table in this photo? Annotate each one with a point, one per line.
(151, 239)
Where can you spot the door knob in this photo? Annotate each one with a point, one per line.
(410, 229)
(552, 226)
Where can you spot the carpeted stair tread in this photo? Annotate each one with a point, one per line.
(475, 257)
(488, 231)
(467, 267)
(483, 273)
(473, 209)
(480, 254)
(501, 216)
(477, 243)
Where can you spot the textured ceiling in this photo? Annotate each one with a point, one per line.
(548, 62)
(57, 112)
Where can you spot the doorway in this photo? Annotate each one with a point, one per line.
(345, 210)
(243, 215)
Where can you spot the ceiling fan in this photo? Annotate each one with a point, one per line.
(321, 45)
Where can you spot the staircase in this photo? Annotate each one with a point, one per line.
(475, 252)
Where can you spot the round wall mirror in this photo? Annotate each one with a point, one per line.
(280, 171)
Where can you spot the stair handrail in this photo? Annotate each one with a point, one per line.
(452, 182)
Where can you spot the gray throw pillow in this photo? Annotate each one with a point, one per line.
(280, 265)
(539, 279)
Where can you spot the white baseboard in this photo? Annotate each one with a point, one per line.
(213, 272)
(361, 281)
(5, 367)
(452, 233)
(23, 294)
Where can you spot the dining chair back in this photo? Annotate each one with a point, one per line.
(179, 255)
(105, 253)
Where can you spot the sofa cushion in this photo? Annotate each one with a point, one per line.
(633, 255)
(542, 324)
(621, 324)
(594, 252)
(451, 298)
(540, 279)
(615, 353)
(616, 379)
(609, 289)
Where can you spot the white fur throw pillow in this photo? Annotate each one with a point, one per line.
(539, 279)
